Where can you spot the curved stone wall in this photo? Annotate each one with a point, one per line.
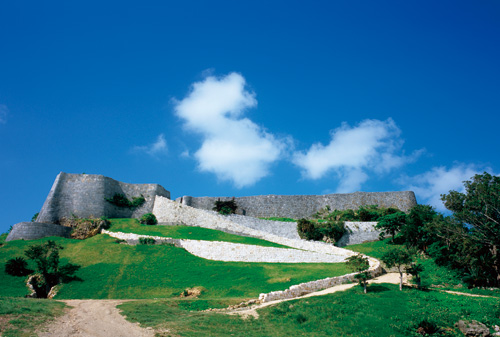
(83, 195)
(36, 230)
(303, 206)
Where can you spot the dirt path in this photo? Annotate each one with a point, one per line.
(252, 311)
(94, 318)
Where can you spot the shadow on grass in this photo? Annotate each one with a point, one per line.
(377, 288)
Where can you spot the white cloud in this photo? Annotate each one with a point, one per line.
(233, 147)
(4, 111)
(157, 149)
(429, 186)
(373, 145)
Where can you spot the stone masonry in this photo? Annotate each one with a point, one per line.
(37, 230)
(303, 206)
(82, 195)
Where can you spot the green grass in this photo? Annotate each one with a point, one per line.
(384, 311)
(112, 270)
(21, 316)
(185, 232)
(374, 249)
(280, 219)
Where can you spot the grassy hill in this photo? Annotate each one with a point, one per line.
(113, 270)
(158, 274)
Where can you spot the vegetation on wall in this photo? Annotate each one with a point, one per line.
(328, 231)
(121, 200)
(363, 213)
(225, 207)
(84, 228)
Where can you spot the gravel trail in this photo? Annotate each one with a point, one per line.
(94, 318)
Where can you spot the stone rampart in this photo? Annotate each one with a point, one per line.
(303, 206)
(358, 232)
(37, 230)
(83, 195)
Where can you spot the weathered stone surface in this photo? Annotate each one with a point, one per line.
(37, 230)
(303, 206)
(473, 328)
(358, 232)
(82, 195)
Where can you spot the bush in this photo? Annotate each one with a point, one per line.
(17, 267)
(307, 230)
(148, 219)
(121, 200)
(225, 207)
(147, 241)
(33, 218)
(85, 228)
(333, 230)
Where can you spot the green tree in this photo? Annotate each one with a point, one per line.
(479, 209)
(359, 263)
(415, 270)
(415, 232)
(399, 257)
(391, 224)
(49, 272)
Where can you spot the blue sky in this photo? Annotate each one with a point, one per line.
(240, 98)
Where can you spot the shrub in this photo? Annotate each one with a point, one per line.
(333, 230)
(121, 200)
(426, 328)
(147, 241)
(225, 207)
(33, 218)
(85, 228)
(148, 219)
(369, 213)
(49, 271)
(17, 267)
(307, 230)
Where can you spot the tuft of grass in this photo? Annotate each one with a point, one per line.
(185, 232)
(280, 219)
(383, 311)
(22, 316)
(116, 271)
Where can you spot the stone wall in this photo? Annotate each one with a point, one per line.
(37, 230)
(169, 211)
(359, 232)
(83, 195)
(303, 206)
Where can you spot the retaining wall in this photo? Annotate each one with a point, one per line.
(83, 195)
(37, 230)
(303, 206)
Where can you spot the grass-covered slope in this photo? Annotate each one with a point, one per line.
(383, 311)
(113, 270)
(21, 316)
(185, 232)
